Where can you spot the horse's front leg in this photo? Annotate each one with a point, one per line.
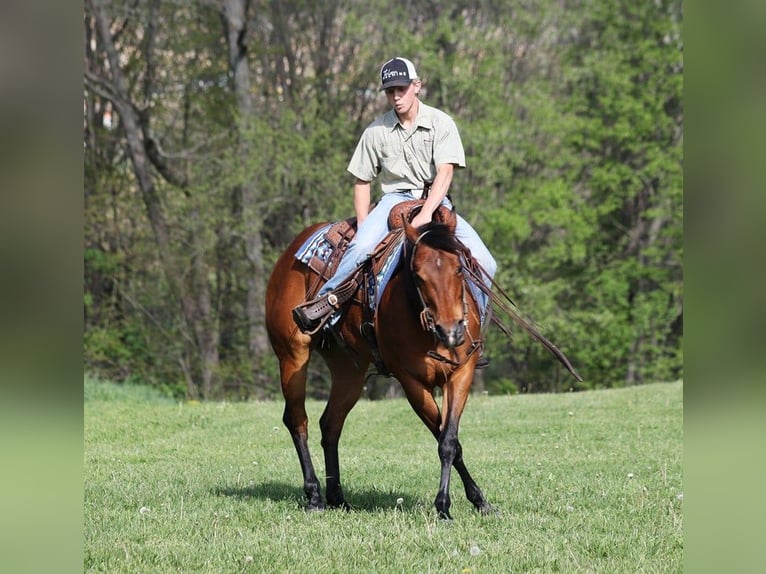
(422, 401)
(447, 450)
(450, 451)
(472, 491)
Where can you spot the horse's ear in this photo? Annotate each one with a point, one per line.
(446, 216)
(410, 232)
(451, 220)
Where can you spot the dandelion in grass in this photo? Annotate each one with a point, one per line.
(474, 550)
(144, 510)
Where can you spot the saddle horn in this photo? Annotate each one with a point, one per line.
(406, 211)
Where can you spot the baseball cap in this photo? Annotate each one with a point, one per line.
(397, 72)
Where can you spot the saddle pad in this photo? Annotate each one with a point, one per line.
(385, 269)
(316, 246)
(317, 251)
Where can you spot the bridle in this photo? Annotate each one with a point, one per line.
(427, 319)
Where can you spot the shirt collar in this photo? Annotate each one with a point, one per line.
(423, 120)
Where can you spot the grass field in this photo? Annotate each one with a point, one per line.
(583, 482)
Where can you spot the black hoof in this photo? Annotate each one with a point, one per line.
(487, 510)
(343, 505)
(315, 507)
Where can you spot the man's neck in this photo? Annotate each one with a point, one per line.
(408, 119)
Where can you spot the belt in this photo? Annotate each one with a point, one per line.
(418, 193)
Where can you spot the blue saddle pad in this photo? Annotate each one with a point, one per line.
(318, 247)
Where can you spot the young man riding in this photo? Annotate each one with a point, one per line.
(413, 148)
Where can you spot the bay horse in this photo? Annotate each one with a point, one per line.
(428, 331)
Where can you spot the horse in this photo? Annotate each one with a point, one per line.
(428, 331)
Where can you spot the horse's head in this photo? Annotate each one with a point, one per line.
(435, 265)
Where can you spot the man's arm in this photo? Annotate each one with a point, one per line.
(438, 192)
(361, 200)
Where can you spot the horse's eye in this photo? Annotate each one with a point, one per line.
(459, 270)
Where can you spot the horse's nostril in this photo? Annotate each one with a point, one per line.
(451, 337)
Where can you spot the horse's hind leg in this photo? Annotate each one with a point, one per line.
(293, 375)
(347, 384)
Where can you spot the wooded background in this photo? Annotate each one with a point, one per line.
(215, 130)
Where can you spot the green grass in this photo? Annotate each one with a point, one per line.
(583, 482)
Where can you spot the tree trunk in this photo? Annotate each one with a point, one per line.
(235, 14)
(201, 381)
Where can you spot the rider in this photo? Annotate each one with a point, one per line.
(409, 147)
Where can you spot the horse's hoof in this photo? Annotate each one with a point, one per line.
(315, 507)
(487, 510)
(343, 505)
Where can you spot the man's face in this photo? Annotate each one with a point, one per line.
(401, 98)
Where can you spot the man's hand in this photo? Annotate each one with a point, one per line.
(438, 192)
(421, 218)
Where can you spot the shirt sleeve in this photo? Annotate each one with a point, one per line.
(364, 163)
(448, 147)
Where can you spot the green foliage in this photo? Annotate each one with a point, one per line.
(571, 117)
(582, 482)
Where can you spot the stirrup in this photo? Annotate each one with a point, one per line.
(311, 315)
(482, 362)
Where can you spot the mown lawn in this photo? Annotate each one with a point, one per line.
(582, 482)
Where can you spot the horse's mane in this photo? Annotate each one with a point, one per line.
(435, 235)
(440, 236)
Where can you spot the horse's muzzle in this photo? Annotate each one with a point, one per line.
(452, 336)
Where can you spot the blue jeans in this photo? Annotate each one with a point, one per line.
(374, 229)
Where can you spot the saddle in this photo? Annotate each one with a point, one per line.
(325, 261)
(363, 286)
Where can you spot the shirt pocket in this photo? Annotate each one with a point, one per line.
(390, 157)
(390, 151)
(423, 144)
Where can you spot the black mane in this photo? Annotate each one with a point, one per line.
(440, 236)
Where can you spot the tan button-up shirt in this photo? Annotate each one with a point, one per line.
(406, 159)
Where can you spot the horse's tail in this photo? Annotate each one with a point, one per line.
(503, 302)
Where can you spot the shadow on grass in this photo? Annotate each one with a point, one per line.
(364, 501)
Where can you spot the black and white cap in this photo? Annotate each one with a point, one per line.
(397, 72)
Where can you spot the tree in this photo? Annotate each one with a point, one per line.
(200, 359)
(215, 130)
